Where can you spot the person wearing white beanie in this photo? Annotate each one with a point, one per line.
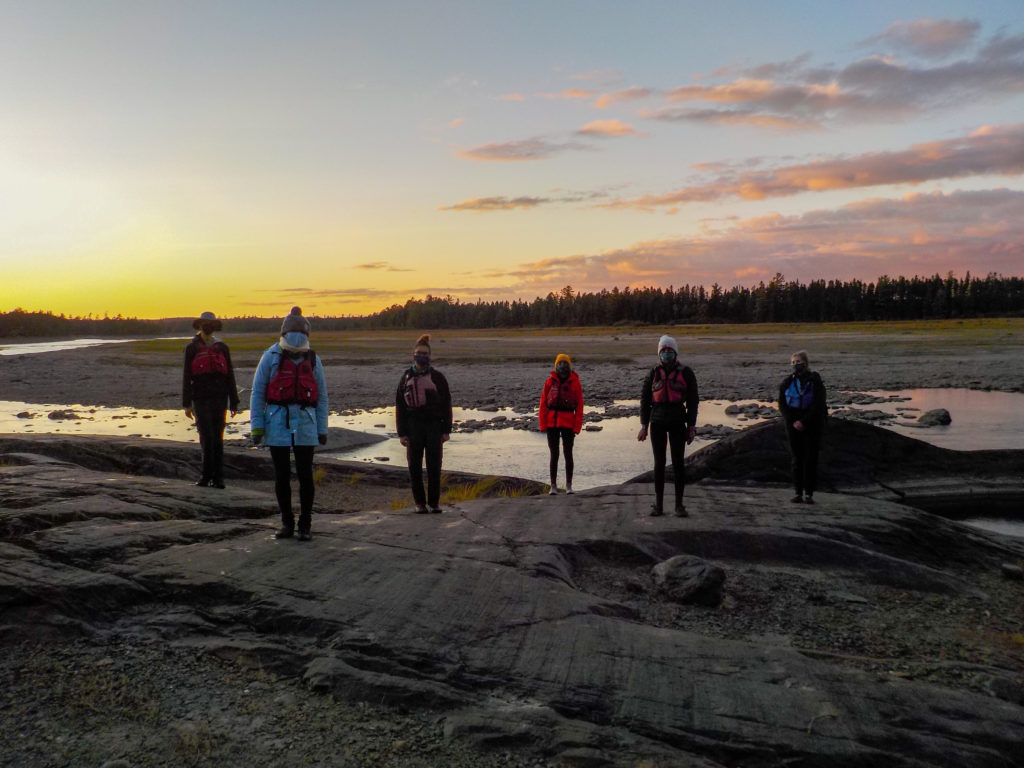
(668, 410)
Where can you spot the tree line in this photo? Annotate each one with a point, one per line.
(777, 301)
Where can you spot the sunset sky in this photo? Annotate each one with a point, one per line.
(165, 158)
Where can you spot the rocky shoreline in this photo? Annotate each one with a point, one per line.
(520, 630)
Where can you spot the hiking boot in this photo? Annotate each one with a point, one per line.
(421, 509)
(305, 535)
(568, 490)
(798, 499)
(681, 510)
(216, 483)
(436, 510)
(808, 499)
(285, 532)
(553, 491)
(202, 482)
(656, 511)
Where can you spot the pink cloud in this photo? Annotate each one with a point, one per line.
(607, 128)
(633, 93)
(977, 231)
(994, 151)
(512, 97)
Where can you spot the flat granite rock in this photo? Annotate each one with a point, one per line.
(527, 622)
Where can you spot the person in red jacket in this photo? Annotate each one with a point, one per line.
(561, 416)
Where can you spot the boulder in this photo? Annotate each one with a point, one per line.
(935, 418)
(687, 579)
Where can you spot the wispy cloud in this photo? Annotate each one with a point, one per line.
(607, 128)
(570, 94)
(633, 93)
(732, 117)
(496, 203)
(990, 150)
(503, 203)
(928, 38)
(381, 265)
(519, 151)
(512, 97)
(456, 122)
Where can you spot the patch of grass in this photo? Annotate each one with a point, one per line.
(400, 502)
(318, 475)
(191, 740)
(355, 478)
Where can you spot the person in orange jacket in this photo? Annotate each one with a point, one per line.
(561, 416)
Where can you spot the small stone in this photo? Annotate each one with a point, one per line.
(381, 458)
(593, 428)
(1012, 571)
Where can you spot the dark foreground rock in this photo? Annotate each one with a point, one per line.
(857, 632)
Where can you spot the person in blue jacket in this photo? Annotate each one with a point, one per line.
(288, 411)
(802, 402)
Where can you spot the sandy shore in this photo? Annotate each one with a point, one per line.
(509, 368)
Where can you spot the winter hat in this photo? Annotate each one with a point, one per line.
(563, 358)
(667, 342)
(207, 318)
(295, 322)
(422, 341)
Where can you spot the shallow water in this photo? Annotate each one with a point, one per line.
(609, 456)
(33, 348)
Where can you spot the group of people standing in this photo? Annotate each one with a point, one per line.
(289, 413)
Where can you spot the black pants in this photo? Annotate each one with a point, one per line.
(281, 454)
(568, 437)
(210, 416)
(661, 435)
(804, 447)
(425, 442)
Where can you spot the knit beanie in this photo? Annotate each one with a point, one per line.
(563, 358)
(295, 322)
(422, 341)
(669, 342)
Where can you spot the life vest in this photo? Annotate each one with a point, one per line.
(418, 387)
(560, 395)
(800, 395)
(294, 382)
(209, 360)
(668, 386)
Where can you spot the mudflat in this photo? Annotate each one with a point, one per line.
(508, 367)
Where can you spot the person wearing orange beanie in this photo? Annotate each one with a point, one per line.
(561, 416)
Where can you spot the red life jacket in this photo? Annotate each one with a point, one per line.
(294, 383)
(668, 387)
(209, 360)
(560, 395)
(420, 390)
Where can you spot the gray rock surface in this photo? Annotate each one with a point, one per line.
(519, 620)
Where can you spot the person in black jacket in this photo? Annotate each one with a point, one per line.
(802, 402)
(423, 412)
(668, 404)
(208, 389)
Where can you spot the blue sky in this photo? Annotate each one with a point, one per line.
(159, 158)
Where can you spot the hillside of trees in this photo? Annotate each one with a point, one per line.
(778, 301)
